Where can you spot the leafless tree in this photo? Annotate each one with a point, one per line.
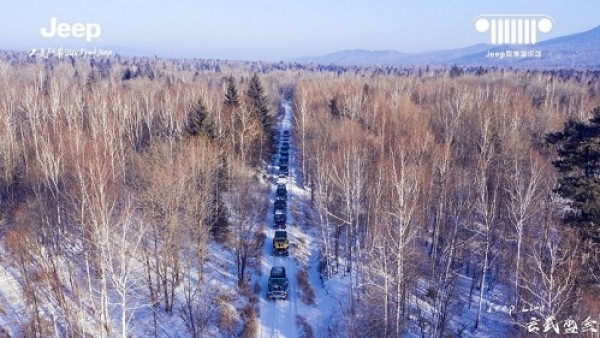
(248, 206)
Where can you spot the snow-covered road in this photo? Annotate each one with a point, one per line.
(278, 318)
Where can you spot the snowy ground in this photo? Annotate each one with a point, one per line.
(220, 283)
(217, 290)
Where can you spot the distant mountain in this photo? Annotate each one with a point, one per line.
(580, 50)
(363, 57)
(357, 57)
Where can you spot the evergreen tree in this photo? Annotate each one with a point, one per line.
(259, 102)
(231, 96)
(456, 71)
(196, 118)
(127, 74)
(334, 108)
(579, 164)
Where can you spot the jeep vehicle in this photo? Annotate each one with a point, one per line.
(284, 170)
(281, 190)
(280, 205)
(280, 243)
(280, 221)
(278, 283)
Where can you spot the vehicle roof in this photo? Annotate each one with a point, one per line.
(278, 271)
(281, 233)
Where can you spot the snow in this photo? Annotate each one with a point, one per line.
(11, 301)
(220, 282)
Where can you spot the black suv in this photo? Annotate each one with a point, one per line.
(280, 204)
(278, 283)
(280, 220)
(284, 170)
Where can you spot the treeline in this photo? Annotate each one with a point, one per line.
(431, 190)
(116, 176)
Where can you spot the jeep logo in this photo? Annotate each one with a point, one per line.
(89, 31)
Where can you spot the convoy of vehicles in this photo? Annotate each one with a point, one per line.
(278, 282)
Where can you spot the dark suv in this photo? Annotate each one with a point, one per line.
(280, 204)
(280, 220)
(284, 171)
(278, 283)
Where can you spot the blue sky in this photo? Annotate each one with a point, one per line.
(277, 29)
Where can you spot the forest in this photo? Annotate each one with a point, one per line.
(134, 196)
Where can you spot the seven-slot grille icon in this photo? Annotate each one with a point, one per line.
(514, 29)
